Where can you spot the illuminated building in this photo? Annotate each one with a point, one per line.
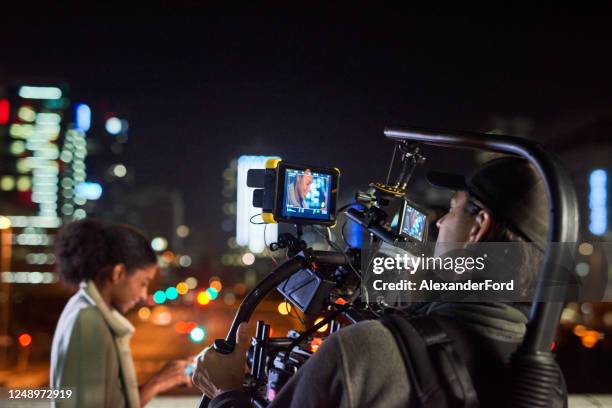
(43, 162)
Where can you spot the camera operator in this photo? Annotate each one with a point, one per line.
(361, 365)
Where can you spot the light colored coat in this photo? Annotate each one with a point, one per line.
(91, 354)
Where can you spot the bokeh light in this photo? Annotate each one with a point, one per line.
(182, 288)
(284, 308)
(216, 284)
(25, 340)
(159, 297)
(197, 335)
(191, 282)
(203, 298)
(144, 313)
(171, 293)
(213, 293)
(324, 327)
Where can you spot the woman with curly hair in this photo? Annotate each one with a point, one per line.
(113, 265)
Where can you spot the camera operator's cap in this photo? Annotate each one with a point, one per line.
(511, 189)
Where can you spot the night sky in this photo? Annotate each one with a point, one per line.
(198, 92)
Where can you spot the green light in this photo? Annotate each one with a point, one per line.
(197, 335)
(171, 293)
(213, 293)
(159, 297)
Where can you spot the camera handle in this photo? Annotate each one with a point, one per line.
(267, 285)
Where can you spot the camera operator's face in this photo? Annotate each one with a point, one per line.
(456, 227)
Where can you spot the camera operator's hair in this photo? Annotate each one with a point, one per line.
(531, 256)
(88, 249)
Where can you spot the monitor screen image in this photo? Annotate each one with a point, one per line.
(414, 223)
(307, 194)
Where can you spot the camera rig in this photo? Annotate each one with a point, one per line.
(273, 361)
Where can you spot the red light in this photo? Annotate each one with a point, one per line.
(553, 345)
(4, 111)
(25, 340)
(183, 327)
(315, 344)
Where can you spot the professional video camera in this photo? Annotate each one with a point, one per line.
(328, 282)
(319, 282)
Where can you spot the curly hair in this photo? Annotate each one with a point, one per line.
(87, 249)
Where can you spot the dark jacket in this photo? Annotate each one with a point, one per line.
(361, 366)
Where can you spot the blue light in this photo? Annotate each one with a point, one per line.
(88, 191)
(213, 293)
(354, 232)
(171, 293)
(113, 126)
(159, 297)
(82, 117)
(598, 202)
(198, 334)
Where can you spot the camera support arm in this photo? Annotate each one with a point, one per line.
(534, 356)
(268, 284)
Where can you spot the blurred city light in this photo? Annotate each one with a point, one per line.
(182, 288)
(113, 126)
(4, 111)
(185, 261)
(582, 269)
(182, 231)
(203, 298)
(40, 92)
(17, 148)
(119, 170)
(4, 222)
(161, 316)
(144, 313)
(585, 249)
(197, 335)
(82, 117)
(24, 340)
(183, 327)
(159, 244)
(590, 338)
(248, 259)
(88, 190)
(159, 297)
(216, 284)
(284, 308)
(191, 282)
(168, 257)
(171, 293)
(213, 293)
(598, 202)
(7, 183)
(323, 328)
(26, 113)
(315, 344)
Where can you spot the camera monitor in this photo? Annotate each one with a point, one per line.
(306, 194)
(295, 193)
(413, 223)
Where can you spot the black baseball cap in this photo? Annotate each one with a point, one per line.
(511, 189)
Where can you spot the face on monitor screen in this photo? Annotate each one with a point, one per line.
(414, 223)
(307, 194)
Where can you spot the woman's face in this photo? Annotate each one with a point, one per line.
(130, 289)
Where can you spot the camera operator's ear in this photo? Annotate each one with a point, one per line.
(483, 222)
